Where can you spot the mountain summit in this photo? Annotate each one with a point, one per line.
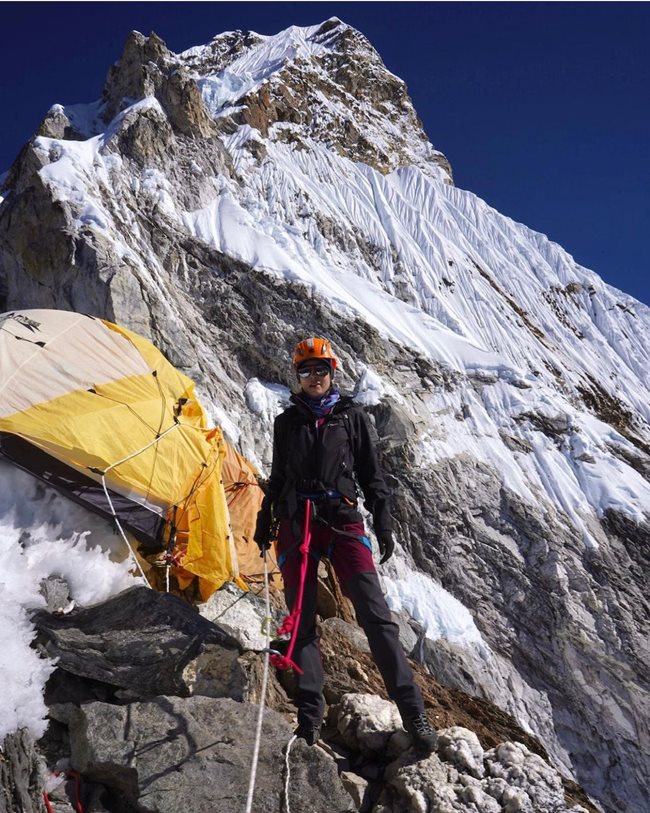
(231, 199)
(326, 84)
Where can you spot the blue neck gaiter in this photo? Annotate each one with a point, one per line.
(322, 404)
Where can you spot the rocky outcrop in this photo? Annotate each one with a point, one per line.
(561, 613)
(147, 68)
(172, 753)
(130, 748)
(139, 642)
(460, 776)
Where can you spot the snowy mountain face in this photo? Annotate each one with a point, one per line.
(229, 200)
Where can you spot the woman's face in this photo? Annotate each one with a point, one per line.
(319, 379)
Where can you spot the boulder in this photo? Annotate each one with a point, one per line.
(357, 787)
(56, 593)
(462, 749)
(365, 722)
(422, 786)
(139, 641)
(241, 615)
(531, 782)
(172, 754)
(513, 780)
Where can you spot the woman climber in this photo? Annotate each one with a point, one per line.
(320, 444)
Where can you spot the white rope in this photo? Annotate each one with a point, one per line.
(265, 676)
(144, 448)
(260, 716)
(288, 774)
(121, 530)
(159, 437)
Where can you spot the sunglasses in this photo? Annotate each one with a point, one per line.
(321, 371)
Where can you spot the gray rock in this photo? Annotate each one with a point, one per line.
(354, 634)
(407, 636)
(449, 782)
(365, 722)
(569, 619)
(532, 784)
(216, 672)
(462, 749)
(139, 641)
(22, 775)
(420, 787)
(357, 787)
(240, 614)
(57, 594)
(172, 754)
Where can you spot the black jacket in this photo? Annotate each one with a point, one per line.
(309, 458)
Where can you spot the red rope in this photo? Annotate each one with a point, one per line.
(292, 621)
(77, 791)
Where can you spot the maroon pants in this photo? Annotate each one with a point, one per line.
(351, 558)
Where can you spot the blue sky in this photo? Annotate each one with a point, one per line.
(542, 108)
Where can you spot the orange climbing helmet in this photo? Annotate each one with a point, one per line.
(314, 348)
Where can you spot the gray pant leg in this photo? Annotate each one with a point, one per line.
(373, 615)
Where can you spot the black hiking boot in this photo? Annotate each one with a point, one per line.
(308, 732)
(423, 737)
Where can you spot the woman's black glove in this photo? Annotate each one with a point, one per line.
(386, 545)
(263, 532)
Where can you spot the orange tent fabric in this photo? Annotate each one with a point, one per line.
(244, 498)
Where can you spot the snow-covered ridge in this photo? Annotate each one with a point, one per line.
(429, 266)
(273, 52)
(258, 55)
(256, 65)
(414, 246)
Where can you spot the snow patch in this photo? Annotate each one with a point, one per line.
(427, 602)
(370, 388)
(266, 400)
(31, 549)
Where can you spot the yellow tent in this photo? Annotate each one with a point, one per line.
(244, 497)
(98, 412)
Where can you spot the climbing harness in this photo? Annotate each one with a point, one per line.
(291, 623)
(289, 628)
